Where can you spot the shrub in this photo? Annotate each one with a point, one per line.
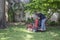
(52, 23)
(30, 20)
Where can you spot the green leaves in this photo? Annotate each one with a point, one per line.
(51, 1)
(43, 4)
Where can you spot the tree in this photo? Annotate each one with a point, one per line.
(2, 14)
(43, 5)
(16, 10)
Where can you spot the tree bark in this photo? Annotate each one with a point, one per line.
(2, 14)
(6, 10)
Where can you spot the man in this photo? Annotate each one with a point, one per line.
(42, 20)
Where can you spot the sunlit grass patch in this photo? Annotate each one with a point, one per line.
(21, 33)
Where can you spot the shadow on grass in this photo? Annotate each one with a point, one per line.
(20, 33)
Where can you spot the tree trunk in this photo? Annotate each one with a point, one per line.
(2, 14)
(6, 10)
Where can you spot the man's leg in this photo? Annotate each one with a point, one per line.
(43, 27)
(39, 24)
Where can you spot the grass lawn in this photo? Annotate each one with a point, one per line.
(20, 33)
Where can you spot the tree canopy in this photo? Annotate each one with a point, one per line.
(43, 5)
